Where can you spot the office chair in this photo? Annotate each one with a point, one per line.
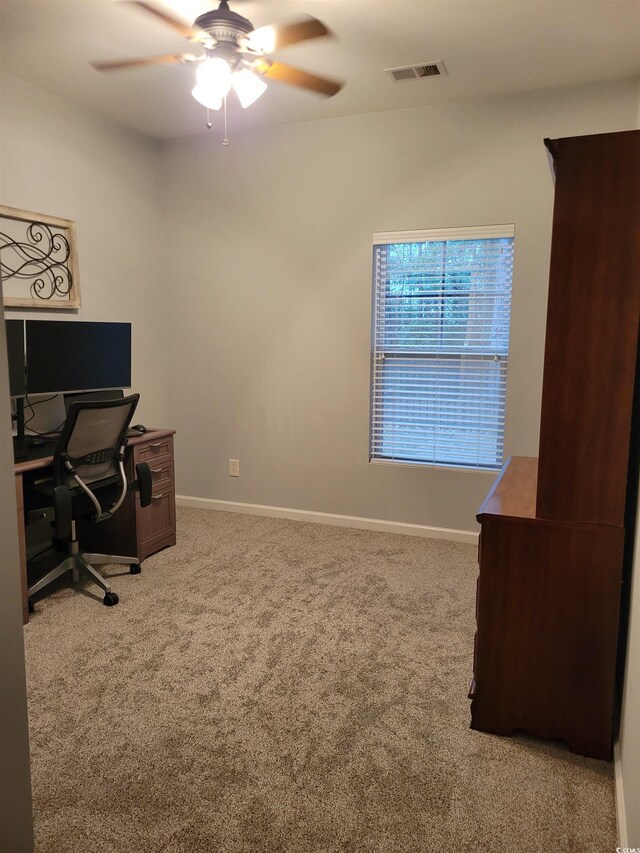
(89, 482)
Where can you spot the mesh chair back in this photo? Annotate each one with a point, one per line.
(93, 429)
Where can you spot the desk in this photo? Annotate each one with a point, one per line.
(138, 531)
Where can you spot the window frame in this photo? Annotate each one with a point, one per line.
(470, 234)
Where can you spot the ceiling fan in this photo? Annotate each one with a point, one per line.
(235, 55)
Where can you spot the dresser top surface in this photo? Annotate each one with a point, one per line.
(514, 492)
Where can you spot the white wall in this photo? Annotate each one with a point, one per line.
(59, 159)
(269, 244)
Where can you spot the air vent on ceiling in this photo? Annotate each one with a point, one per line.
(413, 72)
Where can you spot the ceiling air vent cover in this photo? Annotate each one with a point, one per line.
(412, 72)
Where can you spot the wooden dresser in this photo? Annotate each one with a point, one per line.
(553, 528)
(547, 608)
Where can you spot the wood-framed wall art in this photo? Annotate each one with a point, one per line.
(38, 260)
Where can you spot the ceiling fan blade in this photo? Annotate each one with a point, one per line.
(123, 64)
(296, 77)
(268, 39)
(189, 32)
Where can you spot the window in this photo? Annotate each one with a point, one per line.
(441, 306)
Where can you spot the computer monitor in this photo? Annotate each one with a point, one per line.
(67, 355)
(15, 357)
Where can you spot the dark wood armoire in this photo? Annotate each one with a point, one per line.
(553, 528)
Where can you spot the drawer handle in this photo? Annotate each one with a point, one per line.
(158, 497)
(155, 444)
(156, 470)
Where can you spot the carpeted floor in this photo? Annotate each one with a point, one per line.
(271, 685)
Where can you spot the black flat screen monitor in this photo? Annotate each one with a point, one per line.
(73, 356)
(15, 356)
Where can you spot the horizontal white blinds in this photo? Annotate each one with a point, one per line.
(440, 345)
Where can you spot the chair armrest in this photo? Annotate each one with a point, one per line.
(62, 508)
(145, 485)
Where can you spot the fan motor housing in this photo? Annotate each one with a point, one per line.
(224, 25)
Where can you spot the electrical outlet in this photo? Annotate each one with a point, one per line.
(234, 467)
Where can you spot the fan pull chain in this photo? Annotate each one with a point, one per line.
(225, 141)
(209, 125)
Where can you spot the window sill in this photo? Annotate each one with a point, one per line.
(460, 469)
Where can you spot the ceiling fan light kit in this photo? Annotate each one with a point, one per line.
(247, 86)
(235, 56)
(213, 81)
(214, 78)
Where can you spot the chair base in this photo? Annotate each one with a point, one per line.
(82, 562)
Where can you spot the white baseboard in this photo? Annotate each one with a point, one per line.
(621, 815)
(468, 536)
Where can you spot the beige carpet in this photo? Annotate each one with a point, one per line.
(270, 685)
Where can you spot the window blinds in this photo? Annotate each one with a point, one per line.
(441, 314)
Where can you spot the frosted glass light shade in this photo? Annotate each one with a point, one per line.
(248, 86)
(213, 80)
(263, 40)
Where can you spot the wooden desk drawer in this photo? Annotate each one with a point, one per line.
(161, 473)
(153, 450)
(160, 490)
(156, 523)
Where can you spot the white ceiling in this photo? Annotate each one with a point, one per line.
(489, 47)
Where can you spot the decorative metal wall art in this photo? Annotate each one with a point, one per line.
(38, 260)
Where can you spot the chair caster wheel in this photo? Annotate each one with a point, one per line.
(135, 568)
(110, 598)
